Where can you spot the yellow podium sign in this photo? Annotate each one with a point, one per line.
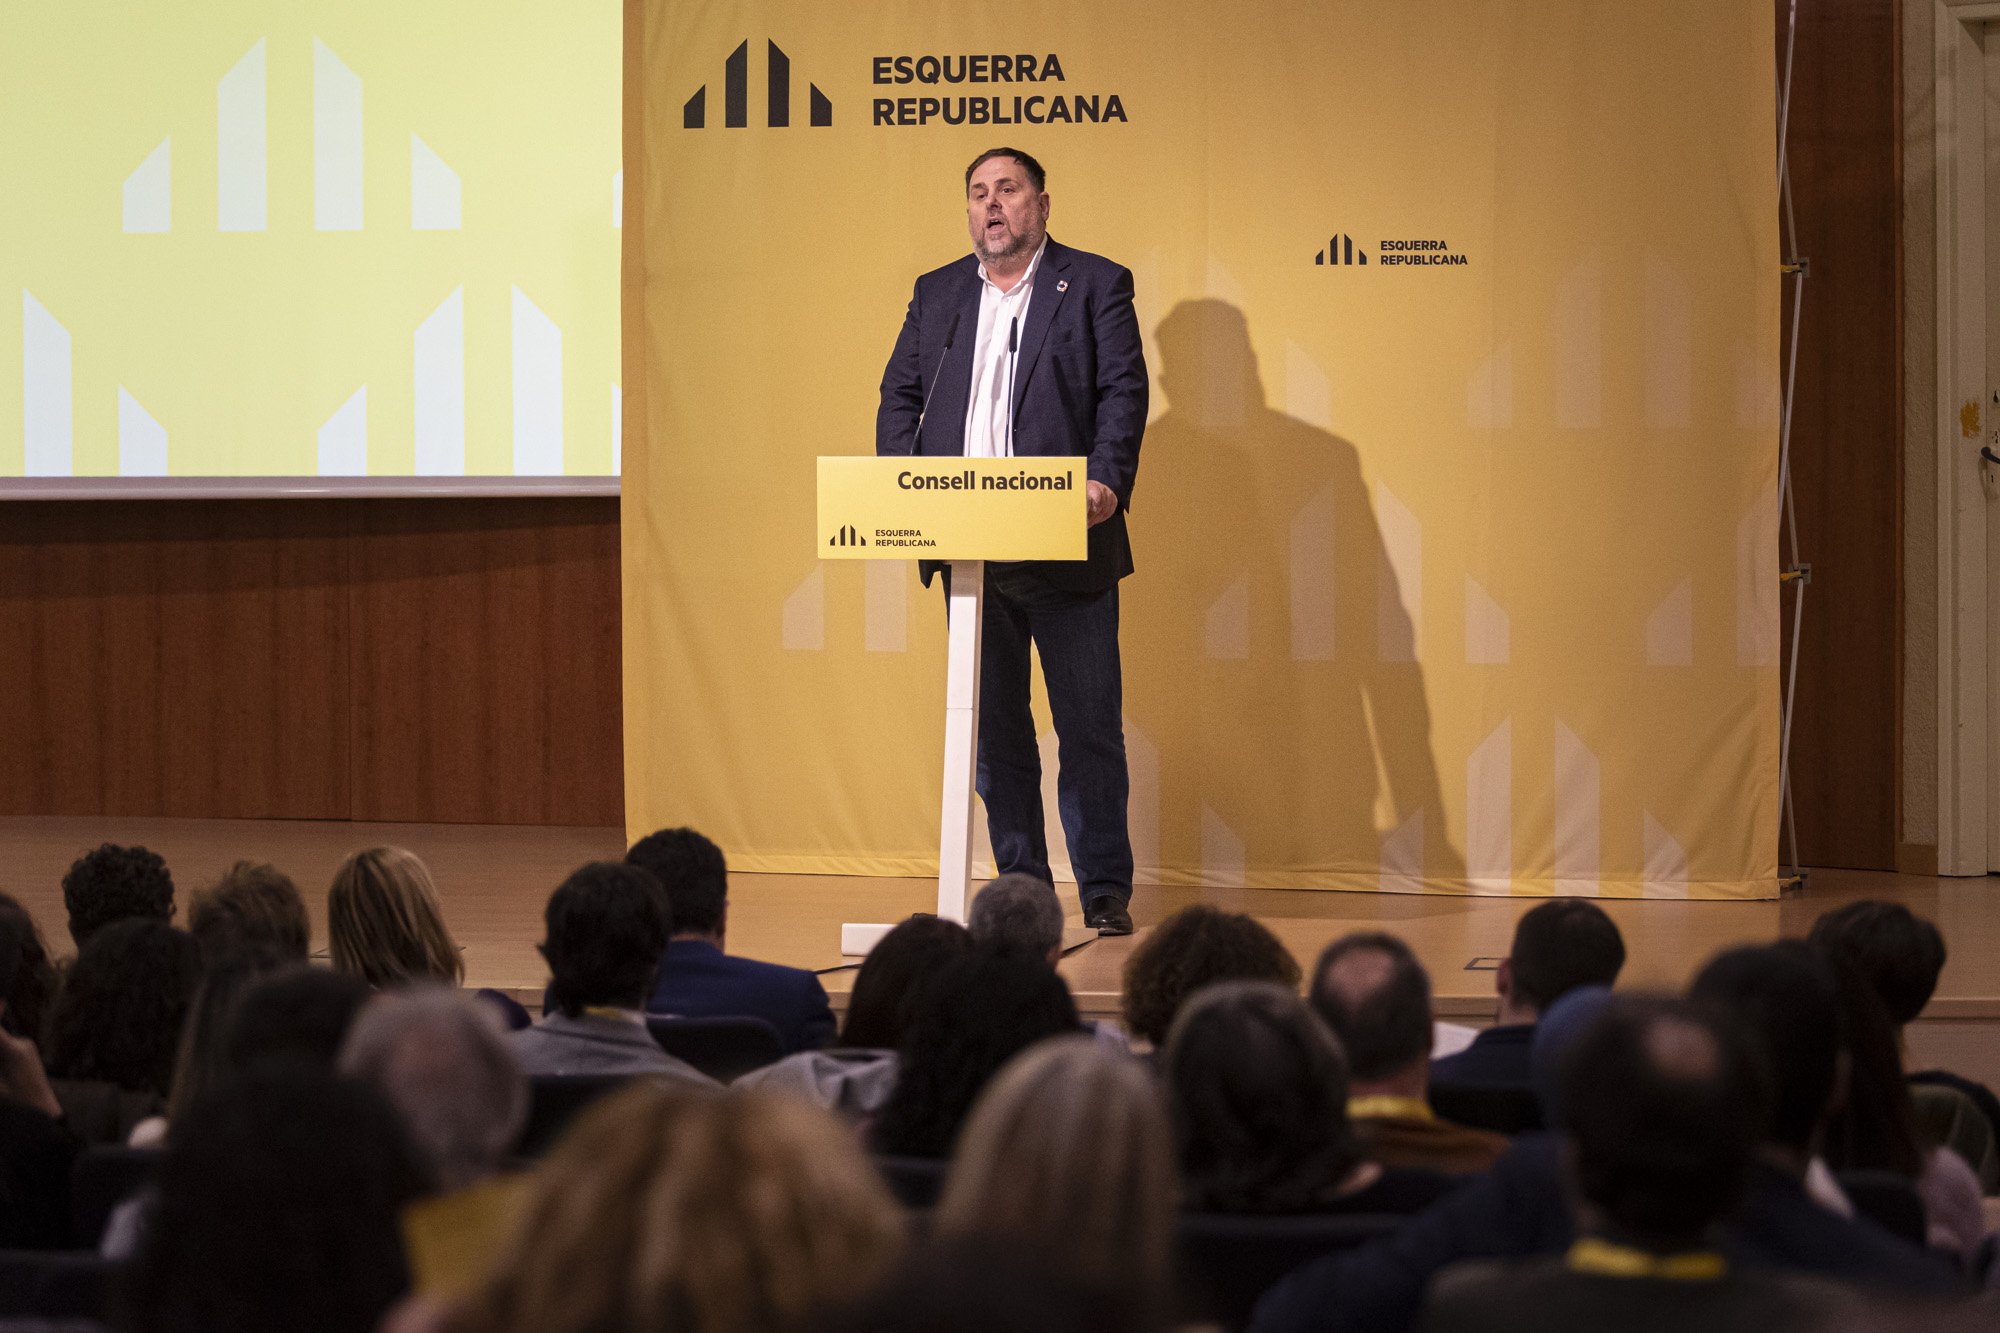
(900, 508)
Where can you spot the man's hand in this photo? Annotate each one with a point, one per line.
(1102, 499)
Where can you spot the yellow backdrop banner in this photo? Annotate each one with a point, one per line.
(1456, 519)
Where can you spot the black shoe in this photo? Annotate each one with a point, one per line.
(1107, 916)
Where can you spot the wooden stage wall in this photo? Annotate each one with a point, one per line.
(457, 660)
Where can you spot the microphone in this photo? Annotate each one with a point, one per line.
(1013, 347)
(949, 333)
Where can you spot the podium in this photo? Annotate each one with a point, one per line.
(962, 513)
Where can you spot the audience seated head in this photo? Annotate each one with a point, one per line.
(1897, 952)
(1196, 947)
(118, 1017)
(201, 1065)
(973, 1017)
(1874, 1125)
(1018, 913)
(384, 924)
(1560, 1026)
(115, 883)
(1069, 1156)
(253, 903)
(1782, 998)
(987, 1286)
(296, 1015)
(442, 1059)
(696, 879)
(606, 927)
(1663, 1101)
(662, 1209)
(1559, 945)
(1259, 1096)
(1372, 992)
(278, 1207)
(27, 976)
(887, 987)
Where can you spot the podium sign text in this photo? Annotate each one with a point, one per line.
(899, 508)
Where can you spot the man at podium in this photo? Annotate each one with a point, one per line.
(1029, 348)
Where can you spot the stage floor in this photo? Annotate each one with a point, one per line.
(495, 880)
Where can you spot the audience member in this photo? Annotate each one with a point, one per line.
(745, 1213)
(115, 883)
(277, 1209)
(1901, 955)
(443, 1061)
(1196, 947)
(1557, 1030)
(199, 1065)
(384, 924)
(699, 980)
(1662, 1105)
(973, 1017)
(253, 904)
(1068, 1158)
(606, 927)
(855, 1075)
(1371, 990)
(27, 977)
(115, 1027)
(1875, 1127)
(1018, 913)
(1560, 945)
(36, 1152)
(1782, 999)
(989, 1287)
(1259, 1095)
(297, 1015)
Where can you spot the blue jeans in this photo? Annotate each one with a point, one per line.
(1077, 638)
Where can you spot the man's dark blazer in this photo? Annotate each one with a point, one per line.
(1079, 386)
(698, 980)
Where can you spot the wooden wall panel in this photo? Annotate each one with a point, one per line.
(447, 660)
(1846, 433)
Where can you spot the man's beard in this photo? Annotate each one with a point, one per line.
(1019, 243)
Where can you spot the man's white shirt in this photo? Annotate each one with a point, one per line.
(989, 416)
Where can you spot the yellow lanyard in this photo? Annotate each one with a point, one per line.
(1591, 1255)
(1389, 1108)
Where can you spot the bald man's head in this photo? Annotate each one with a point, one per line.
(1374, 994)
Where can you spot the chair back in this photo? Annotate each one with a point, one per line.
(1499, 1107)
(101, 1179)
(1227, 1262)
(556, 1099)
(1888, 1200)
(55, 1284)
(722, 1048)
(917, 1182)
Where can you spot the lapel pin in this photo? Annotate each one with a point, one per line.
(1062, 284)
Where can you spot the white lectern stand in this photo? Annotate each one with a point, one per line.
(963, 511)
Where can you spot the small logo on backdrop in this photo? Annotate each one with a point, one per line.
(848, 535)
(736, 94)
(1340, 250)
(1418, 252)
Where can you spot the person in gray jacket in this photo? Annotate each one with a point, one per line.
(607, 927)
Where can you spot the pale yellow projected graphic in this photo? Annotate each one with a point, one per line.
(335, 239)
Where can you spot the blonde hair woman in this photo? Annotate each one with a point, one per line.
(383, 922)
(1069, 1155)
(669, 1211)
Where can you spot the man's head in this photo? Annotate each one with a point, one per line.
(1006, 206)
(607, 926)
(1899, 953)
(1376, 996)
(1558, 946)
(114, 883)
(441, 1059)
(1663, 1105)
(691, 870)
(1018, 914)
(1196, 947)
(1782, 997)
(253, 904)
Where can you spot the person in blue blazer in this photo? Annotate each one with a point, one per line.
(1028, 348)
(697, 979)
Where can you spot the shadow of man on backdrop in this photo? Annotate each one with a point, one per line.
(1269, 654)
